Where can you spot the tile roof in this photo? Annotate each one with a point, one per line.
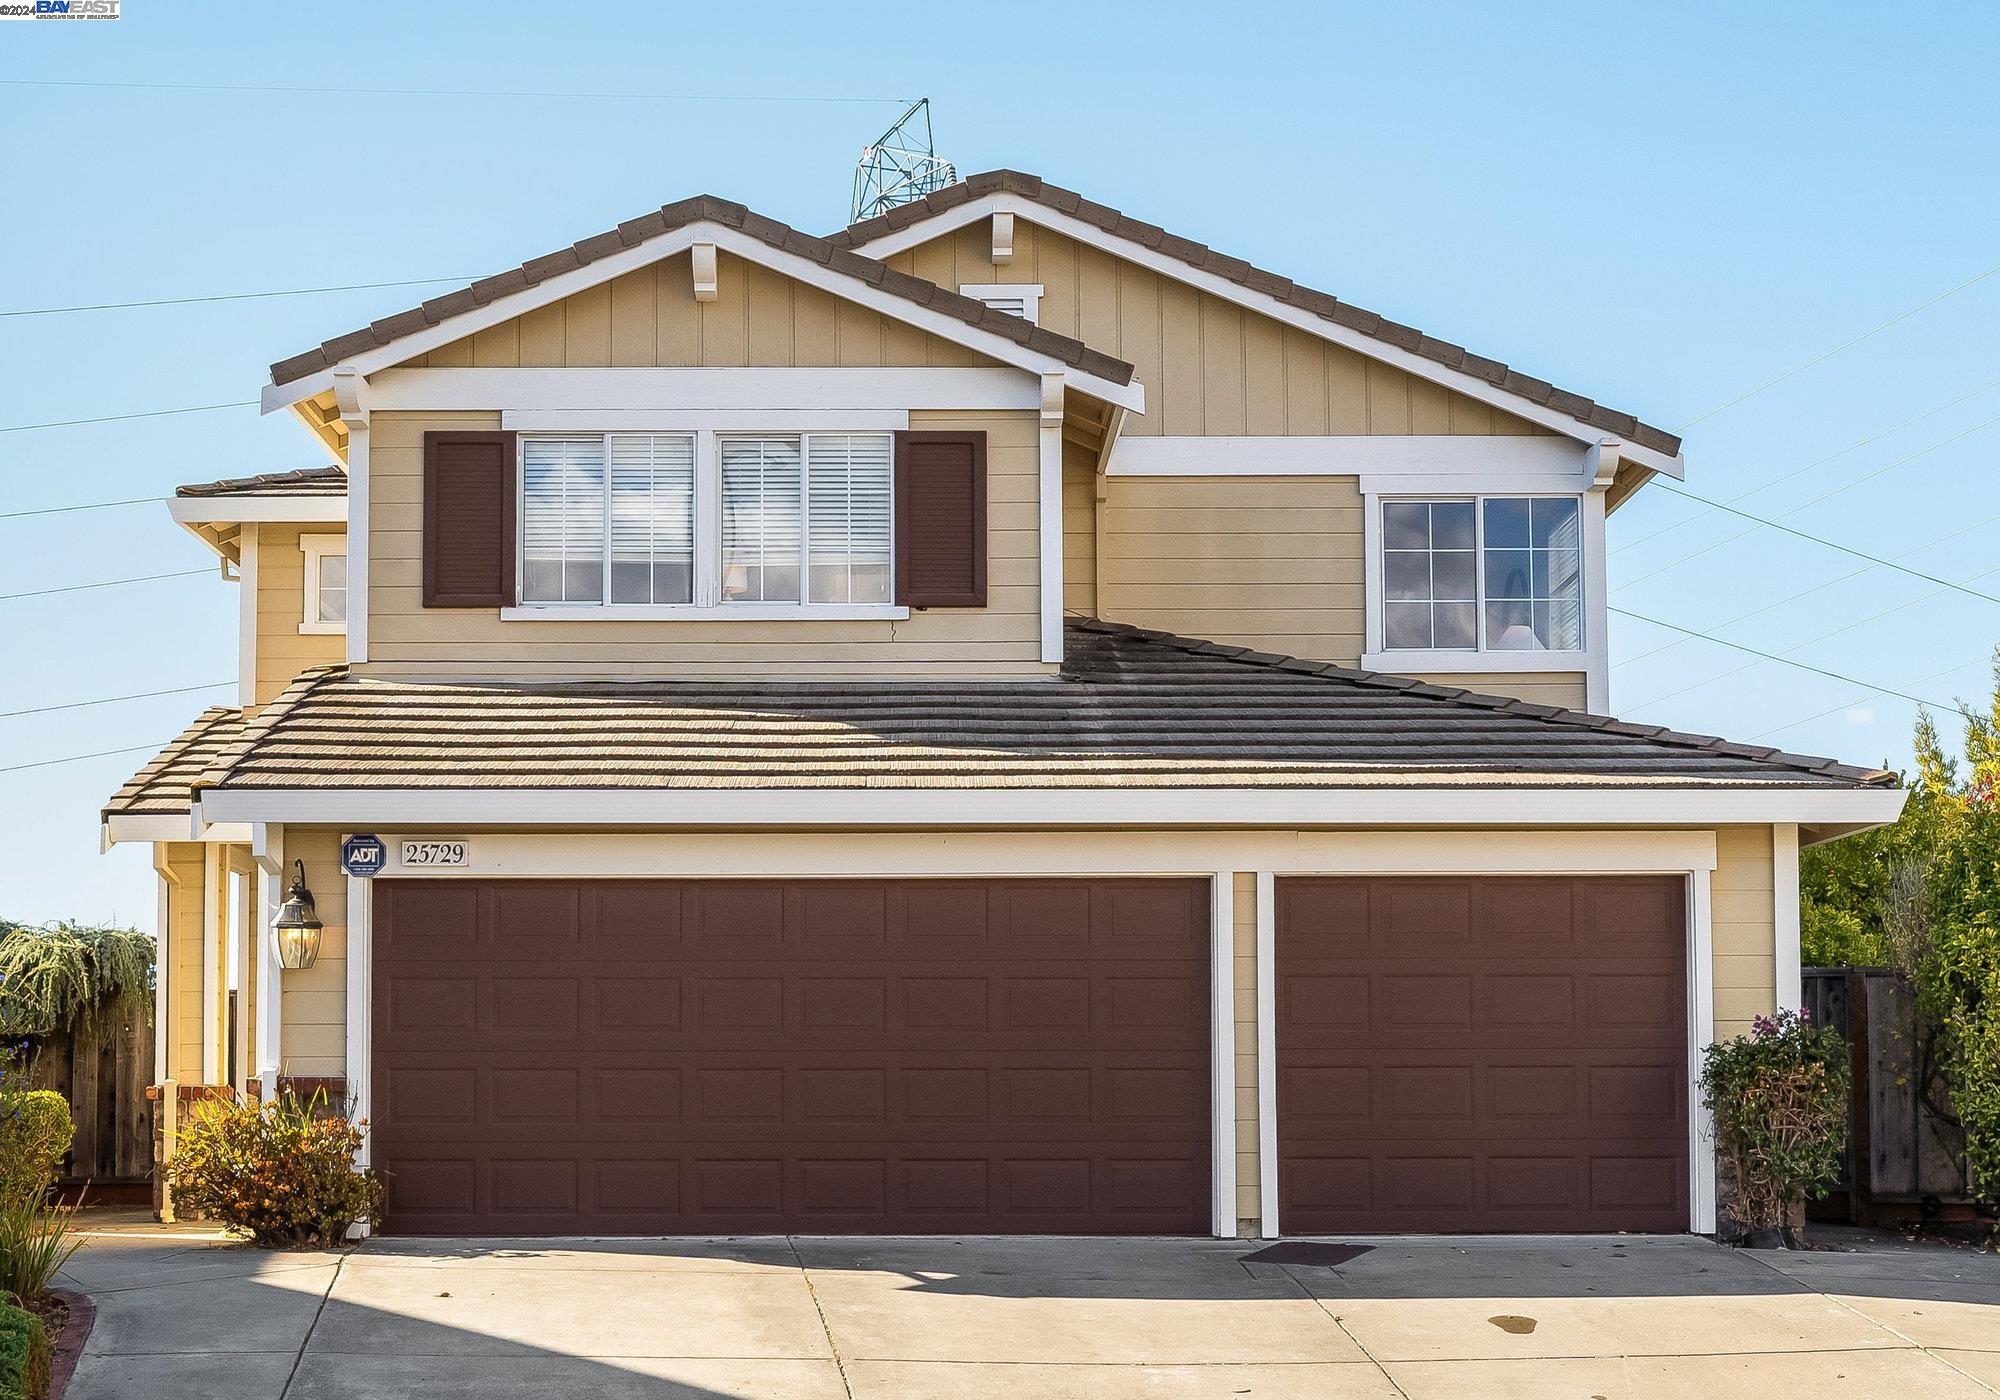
(677, 215)
(1131, 709)
(1200, 255)
(162, 787)
(307, 481)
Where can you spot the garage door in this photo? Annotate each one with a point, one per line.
(909, 1056)
(1481, 1054)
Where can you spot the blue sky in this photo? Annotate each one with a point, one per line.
(1663, 207)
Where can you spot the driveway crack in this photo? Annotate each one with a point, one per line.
(839, 1363)
(1334, 1318)
(312, 1327)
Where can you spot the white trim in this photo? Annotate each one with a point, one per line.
(670, 393)
(1029, 294)
(1222, 1047)
(212, 1020)
(246, 945)
(1049, 517)
(353, 395)
(701, 261)
(1002, 246)
(1785, 913)
(1267, 1055)
(168, 826)
(1653, 805)
(1596, 609)
(360, 1008)
(268, 848)
(1701, 1034)
(316, 548)
(1421, 663)
(792, 265)
(1552, 460)
(926, 229)
(248, 509)
(246, 616)
(689, 420)
(697, 612)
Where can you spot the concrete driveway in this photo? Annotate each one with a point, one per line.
(1032, 1319)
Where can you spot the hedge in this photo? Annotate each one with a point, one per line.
(24, 1355)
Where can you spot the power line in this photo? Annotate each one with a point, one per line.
(80, 757)
(94, 505)
(234, 296)
(1846, 345)
(1849, 704)
(792, 97)
(113, 699)
(1772, 656)
(122, 417)
(107, 583)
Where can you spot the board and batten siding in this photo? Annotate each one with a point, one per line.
(283, 651)
(1210, 367)
(1744, 932)
(407, 639)
(649, 317)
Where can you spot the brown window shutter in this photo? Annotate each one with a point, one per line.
(468, 520)
(941, 520)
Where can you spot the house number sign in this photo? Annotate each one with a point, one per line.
(427, 853)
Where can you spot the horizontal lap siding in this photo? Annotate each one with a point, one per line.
(405, 638)
(1745, 939)
(1564, 688)
(1209, 366)
(185, 902)
(282, 650)
(314, 1039)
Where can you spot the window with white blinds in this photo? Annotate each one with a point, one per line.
(708, 519)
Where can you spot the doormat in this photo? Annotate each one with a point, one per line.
(1311, 1252)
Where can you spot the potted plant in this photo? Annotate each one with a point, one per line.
(1779, 1099)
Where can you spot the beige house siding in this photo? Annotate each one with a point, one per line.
(314, 1037)
(1079, 532)
(649, 317)
(1744, 929)
(1244, 983)
(282, 649)
(1210, 367)
(1564, 688)
(406, 638)
(181, 956)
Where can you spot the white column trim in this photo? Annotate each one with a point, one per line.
(1267, 1054)
(268, 847)
(245, 904)
(1785, 914)
(1596, 609)
(360, 1019)
(211, 965)
(1222, 1037)
(1048, 501)
(246, 622)
(350, 393)
(1701, 1034)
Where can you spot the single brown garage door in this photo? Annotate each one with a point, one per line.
(1481, 1054)
(910, 1056)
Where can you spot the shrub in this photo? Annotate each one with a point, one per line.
(283, 1171)
(1779, 1096)
(63, 978)
(24, 1355)
(34, 1245)
(35, 1131)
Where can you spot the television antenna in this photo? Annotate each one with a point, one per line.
(899, 166)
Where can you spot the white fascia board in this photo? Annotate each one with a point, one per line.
(924, 230)
(256, 510)
(168, 826)
(1068, 807)
(1535, 462)
(861, 293)
(690, 395)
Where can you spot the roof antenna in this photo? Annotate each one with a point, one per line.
(899, 166)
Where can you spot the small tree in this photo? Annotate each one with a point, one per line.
(1779, 1096)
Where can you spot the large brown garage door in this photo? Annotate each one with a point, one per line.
(659, 1057)
(1481, 1054)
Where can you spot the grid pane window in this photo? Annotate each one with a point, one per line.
(332, 588)
(849, 525)
(1519, 561)
(762, 537)
(652, 518)
(1534, 574)
(1430, 592)
(562, 514)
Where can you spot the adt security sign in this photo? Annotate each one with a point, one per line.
(363, 855)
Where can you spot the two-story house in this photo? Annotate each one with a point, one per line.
(1003, 719)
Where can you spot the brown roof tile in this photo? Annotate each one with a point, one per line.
(307, 481)
(1200, 255)
(162, 787)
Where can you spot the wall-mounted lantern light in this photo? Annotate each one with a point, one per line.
(297, 925)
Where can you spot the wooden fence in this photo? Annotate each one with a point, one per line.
(1901, 1150)
(105, 1079)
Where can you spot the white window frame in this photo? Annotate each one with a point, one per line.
(1379, 657)
(707, 604)
(316, 548)
(1029, 293)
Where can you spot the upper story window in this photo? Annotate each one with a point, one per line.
(1496, 573)
(325, 583)
(708, 520)
(1023, 299)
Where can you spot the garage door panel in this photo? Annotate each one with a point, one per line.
(731, 1056)
(1481, 1054)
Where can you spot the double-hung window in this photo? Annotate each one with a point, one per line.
(712, 521)
(1494, 573)
(325, 583)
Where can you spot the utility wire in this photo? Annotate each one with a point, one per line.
(113, 699)
(94, 505)
(1849, 704)
(80, 757)
(122, 417)
(1845, 345)
(469, 92)
(234, 296)
(1772, 656)
(107, 583)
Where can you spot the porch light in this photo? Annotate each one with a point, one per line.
(297, 925)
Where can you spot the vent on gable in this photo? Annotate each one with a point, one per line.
(1015, 298)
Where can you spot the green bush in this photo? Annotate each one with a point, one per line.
(24, 1355)
(34, 1245)
(35, 1131)
(283, 1171)
(1779, 1096)
(66, 978)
